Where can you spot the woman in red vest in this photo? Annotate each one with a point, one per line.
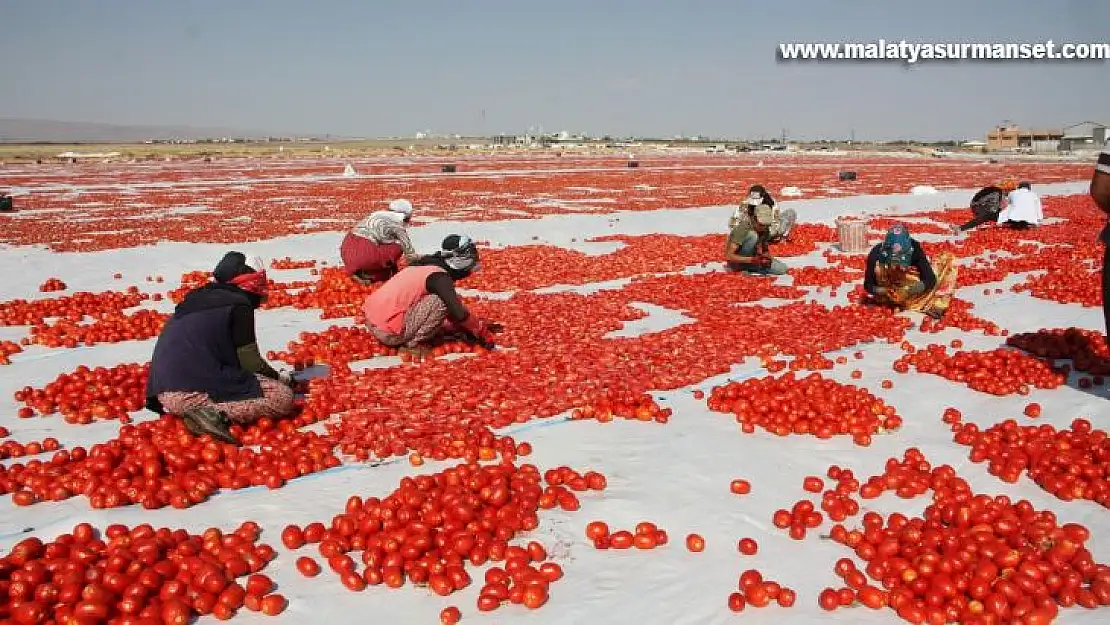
(420, 302)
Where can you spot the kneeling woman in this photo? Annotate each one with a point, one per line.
(420, 302)
(899, 274)
(206, 365)
(372, 250)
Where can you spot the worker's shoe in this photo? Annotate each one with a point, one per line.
(208, 420)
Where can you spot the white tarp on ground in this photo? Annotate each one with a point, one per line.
(675, 475)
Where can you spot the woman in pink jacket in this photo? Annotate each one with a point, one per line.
(420, 302)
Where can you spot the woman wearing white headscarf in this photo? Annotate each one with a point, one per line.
(420, 302)
(372, 249)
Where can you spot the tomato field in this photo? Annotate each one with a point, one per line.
(652, 440)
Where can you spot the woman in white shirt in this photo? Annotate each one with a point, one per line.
(1023, 208)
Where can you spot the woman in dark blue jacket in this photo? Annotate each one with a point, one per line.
(207, 367)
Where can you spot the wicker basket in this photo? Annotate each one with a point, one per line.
(852, 234)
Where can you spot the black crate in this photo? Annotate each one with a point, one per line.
(6, 204)
(449, 169)
(847, 175)
(633, 164)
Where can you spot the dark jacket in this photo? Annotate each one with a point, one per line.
(987, 202)
(197, 348)
(918, 260)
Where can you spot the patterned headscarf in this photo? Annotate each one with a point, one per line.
(897, 247)
(460, 253)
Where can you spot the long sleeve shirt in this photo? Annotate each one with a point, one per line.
(386, 227)
(917, 260)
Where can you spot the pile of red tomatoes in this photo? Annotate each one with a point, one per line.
(21, 312)
(812, 405)
(632, 406)
(432, 527)
(959, 316)
(8, 349)
(88, 394)
(108, 327)
(970, 558)
(646, 536)
(999, 371)
(378, 434)
(158, 463)
(1087, 349)
(52, 285)
(138, 575)
(1072, 463)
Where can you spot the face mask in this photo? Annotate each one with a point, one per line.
(755, 200)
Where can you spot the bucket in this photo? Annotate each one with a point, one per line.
(852, 234)
(6, 204)
(847, 176)
(449, 169)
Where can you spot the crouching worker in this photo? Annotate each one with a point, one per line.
(898, 274)
(783, 219)
(748, 245)
(986, 205)
(206, 366)
(372, 249)
(420, 303)
(1023, 208)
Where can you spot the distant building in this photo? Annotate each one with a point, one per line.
(507, 140)
(1083, 136)
(1014, 138)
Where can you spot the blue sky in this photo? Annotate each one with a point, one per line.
(375, 68)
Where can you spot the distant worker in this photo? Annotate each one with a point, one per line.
(420, 303)
(986, 205)
(373, 248)
(898, 274)
(748, 245)
(1100, 192)
(207, 367)
(783, 219)
(1023, 208)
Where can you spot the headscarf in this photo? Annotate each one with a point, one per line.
(458, 256)
(404, 207)
(897, 247)
(757, 195)
(235, 269)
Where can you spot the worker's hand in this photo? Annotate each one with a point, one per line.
(763, 261)
(286, 378)
(478, 329)
(915, 289)
(880, 291)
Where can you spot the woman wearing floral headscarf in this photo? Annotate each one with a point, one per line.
(900, 275)
(420, 302)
